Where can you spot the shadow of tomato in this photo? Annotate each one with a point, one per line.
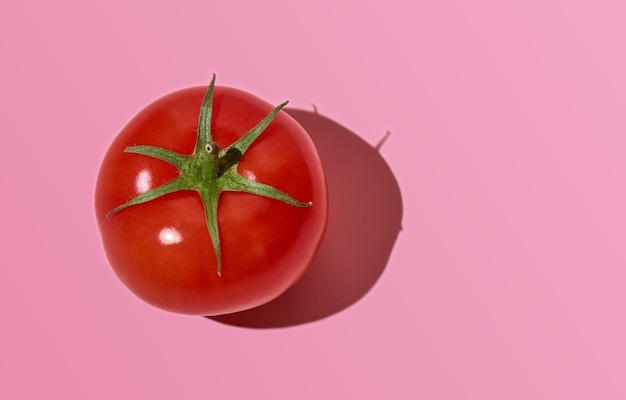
(365, 213)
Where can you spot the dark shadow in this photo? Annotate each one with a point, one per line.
(365, 213)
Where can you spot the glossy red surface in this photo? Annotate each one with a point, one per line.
(162, 249)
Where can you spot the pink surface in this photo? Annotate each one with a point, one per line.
(507, 141)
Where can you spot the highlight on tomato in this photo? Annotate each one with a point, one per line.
(211, 201)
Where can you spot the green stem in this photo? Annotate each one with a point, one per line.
(210, 171)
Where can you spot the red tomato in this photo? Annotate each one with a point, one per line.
(202, 214)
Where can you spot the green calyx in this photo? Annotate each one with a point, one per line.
(210, 170)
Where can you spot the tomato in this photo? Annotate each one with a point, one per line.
(211, 201)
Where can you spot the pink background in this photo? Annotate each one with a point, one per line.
(507, 141)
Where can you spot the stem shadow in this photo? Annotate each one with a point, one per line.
(365, 214)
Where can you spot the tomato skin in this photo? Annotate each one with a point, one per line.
(162, 249)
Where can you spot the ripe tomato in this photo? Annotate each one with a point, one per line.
(211, 202)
